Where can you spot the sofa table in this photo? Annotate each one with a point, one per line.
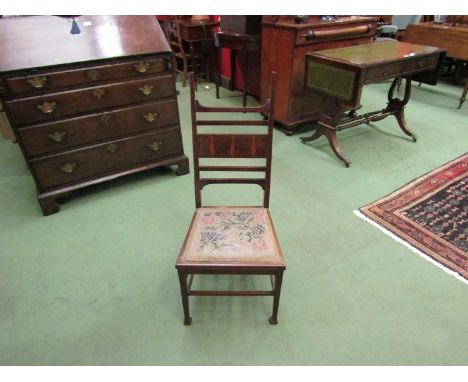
(338, 75)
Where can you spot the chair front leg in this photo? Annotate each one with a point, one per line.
(185, 298)
(278, 280)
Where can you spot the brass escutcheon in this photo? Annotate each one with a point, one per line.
(112, 148)
(57, 136)
(98, 93)
(93, 74)
(68, 167)
(141, 67)
(105, 118)
(47, 107)
(146, 89)
(150, 117)
(385, 72)
(37, 82)
(155, 146)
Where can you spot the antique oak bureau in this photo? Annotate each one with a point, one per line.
(91, 107)
(338, 76)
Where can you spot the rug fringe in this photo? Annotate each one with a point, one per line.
(406, 244)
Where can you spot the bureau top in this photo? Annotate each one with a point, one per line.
(375, 53)
(42, 41)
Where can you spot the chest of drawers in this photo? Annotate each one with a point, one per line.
(92, 107)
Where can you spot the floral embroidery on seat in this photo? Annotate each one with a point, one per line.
(233, 230)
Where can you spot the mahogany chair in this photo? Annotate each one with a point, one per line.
(225, 239)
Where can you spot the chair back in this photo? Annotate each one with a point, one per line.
(237, 145)
(174, 35)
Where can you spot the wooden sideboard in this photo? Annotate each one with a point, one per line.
(89, 107)
(285, 44)
(451, 35)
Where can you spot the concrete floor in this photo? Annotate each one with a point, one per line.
(95, 284)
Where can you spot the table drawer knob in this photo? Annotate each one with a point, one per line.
(141, 67)
(57, 136)
(155, 146)
(385, 72)
(37, 82)
(421, 63)
(146, 89)
(93, 75)
(112, 148)
(47, 107)
(98, 93)
(150, 117)
(68, 167)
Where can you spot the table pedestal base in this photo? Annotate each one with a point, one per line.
(329, 124)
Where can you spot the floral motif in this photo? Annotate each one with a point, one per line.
(220, 228)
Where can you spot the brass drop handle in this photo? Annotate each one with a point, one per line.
(93, 75)
(37, 82)
(104, 119)
(57, 136)
(68, 167)
(141, 67)
(47, 107)
(146, 89)
(98, 93)
(112, 148)
(421, 63)
(155, 146)
(150, 117)
(385, 72)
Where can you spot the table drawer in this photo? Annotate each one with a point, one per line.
(44, 138)
(56, 105)
(384, 71)
(53, 79)
(97, 160)
(421, 64)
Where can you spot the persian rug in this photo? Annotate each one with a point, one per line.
(430, 216)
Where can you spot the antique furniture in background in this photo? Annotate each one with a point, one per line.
(241, 34)
(231, 240)
(451, 35)
(284, 46)
(91, 107)
(192, 41)
(338, 75)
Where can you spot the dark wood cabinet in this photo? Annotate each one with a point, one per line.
(91, 107)
(285, 44)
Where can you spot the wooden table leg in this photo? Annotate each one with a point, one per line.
(218, 79)
(462, 99)
(397, 106)
(244, 69)
(326, 127)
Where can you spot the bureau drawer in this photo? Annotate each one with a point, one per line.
(384, 71)
(88, 162)
(53, 79)
(56, 105)
(316, 35)
(60, 135)
(421, 64)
